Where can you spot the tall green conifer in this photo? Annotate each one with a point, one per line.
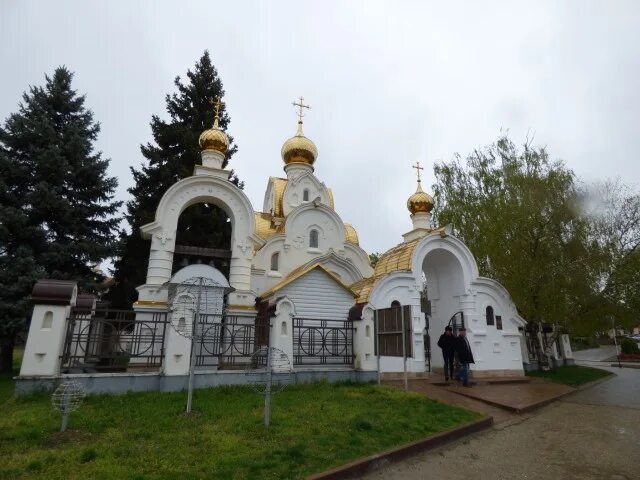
(56, 208)
(170, 157)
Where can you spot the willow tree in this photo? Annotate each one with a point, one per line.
(521, 215)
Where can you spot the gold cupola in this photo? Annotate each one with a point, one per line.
(299, 149)
(420, 202)
(214, 138)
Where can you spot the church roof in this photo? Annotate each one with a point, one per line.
(279, 184)
(299, 272)
(265, 227)
(351, 234)
(396, 259)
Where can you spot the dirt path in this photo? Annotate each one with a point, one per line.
(576, 438)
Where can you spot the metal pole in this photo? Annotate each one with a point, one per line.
(267, 393)
(65, 412)
(192, 362)
(404, 350)
(377, 332)
(615, 341)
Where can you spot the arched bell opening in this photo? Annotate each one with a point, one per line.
(203, 236)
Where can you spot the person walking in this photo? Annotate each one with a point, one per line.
(447, 343)
(465, 356)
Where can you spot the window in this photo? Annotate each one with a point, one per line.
(313, 239)
(47, 321)
(305, 195)
(490, 319)
(498, 322)
(274, 261)
(395, 304)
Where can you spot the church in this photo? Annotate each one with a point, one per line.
(294, 277)
(296, 253)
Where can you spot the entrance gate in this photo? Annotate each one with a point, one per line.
(389, 323)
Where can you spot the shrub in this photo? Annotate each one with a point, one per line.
(629, 346)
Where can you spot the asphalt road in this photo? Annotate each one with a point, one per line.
(593, 434)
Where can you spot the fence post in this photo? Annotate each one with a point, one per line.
(52, 300)
(177, 348)
(378, 346)
(281, 335)
(404, 351)
(363, 340)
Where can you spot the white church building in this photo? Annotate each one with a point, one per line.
(298, 268)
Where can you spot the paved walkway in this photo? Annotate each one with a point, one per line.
(518, 397)
(590, 435)
(623, 390)
(445, 396)
(595, 354)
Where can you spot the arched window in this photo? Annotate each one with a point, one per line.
(395, 304)
(313, 238)
(490, 318)
(305, 195)
(274, 261)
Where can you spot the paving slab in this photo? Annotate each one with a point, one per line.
(515, 397)
(434, 392)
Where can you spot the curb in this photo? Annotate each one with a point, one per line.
(366, 464)
(584, 386)
(525, 409)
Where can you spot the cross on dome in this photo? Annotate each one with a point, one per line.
(418, 168)
(216, 108)
(299, 149)
(301, 106)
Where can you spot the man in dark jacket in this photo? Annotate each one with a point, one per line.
(465, 356)
(447, 343)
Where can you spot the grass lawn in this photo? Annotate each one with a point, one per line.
(146, 436)
(573, 375)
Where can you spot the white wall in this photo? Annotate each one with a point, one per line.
(316, 295)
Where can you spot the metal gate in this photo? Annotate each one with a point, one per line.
(113, 340)
(389, 331)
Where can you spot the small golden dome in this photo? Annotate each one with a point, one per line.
(420, 202)
(299, 149)
(214, 139)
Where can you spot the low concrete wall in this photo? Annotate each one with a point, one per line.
(120, 383)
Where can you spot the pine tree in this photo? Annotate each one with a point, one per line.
(172, 157)
(56, 208)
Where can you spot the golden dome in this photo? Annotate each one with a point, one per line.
(299, 149)
(420, 202)
(351, 235)
(214, 139)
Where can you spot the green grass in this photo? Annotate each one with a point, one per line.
(573, 375)
(146, 435)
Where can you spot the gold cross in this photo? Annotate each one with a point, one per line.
(216, 106)
(300, 106)
(418, 168)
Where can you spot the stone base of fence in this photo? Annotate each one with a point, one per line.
(120, 383)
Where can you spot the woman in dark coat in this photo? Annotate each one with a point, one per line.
(465, 356)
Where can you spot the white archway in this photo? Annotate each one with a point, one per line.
(200, 189)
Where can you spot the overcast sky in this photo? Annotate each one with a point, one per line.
(389, 83)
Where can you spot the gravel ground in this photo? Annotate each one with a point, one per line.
(565, 440)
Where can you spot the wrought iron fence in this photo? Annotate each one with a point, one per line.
(113, 340)
(322, 342)
(227, 342)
